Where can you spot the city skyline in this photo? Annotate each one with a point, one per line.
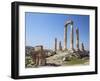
(43, 28)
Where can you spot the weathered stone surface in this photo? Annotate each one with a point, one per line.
(65, 38)
(71, 35)
(61, 57)
(82, 47)
(55, 44)
(60, 46)
(77, 39)
(38, 56)
(71, 38)
(68, 22)
(38, 48)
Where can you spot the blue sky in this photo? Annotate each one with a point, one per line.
(42, 28)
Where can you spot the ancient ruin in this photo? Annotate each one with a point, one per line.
(77, 39)
(39, 56)
(61, 55)
(60, 46)
(55, 44)
(70, 22)
(82, 47)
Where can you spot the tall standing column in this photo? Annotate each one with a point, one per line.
(77, 39)
(65, 38)
(71, 38)
(60, 46)
(55, 44)
(82, 47)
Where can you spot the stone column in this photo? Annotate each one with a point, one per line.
(71, 38)
(60, 47)
(77, 39)
(82, 47)
(65, 38)
(55, 44)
